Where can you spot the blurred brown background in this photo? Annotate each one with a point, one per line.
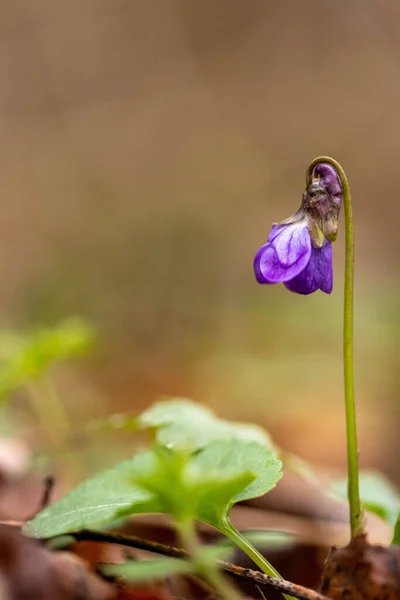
(147, 146)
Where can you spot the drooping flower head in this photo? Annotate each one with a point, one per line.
(298, 251)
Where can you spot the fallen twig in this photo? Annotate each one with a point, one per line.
(298, 591)
(48, 487)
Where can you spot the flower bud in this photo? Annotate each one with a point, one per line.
(298, 251)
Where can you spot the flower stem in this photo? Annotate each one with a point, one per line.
(237, 538)
(356, 514)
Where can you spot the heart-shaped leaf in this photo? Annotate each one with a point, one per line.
(183, 487)
(97, 501)
(205, 485)
(227, 457)
(184, 424)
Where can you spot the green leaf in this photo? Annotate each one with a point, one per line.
(377, 493)
(227, 458)
(144, 571)
(184, 424)
(212, 496)
(164, 479)
(183, 488)
(206, 485)
(97, 501)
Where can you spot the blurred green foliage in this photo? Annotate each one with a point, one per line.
(377, 493)
(26, 357)
(151, 570)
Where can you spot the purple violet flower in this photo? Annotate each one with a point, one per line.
(298, 251)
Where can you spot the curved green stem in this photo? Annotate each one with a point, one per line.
(237, 538)
(356, 515)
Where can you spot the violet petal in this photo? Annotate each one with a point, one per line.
(318, 274)
(285, 255)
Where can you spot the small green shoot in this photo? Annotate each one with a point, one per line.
(214, 465)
